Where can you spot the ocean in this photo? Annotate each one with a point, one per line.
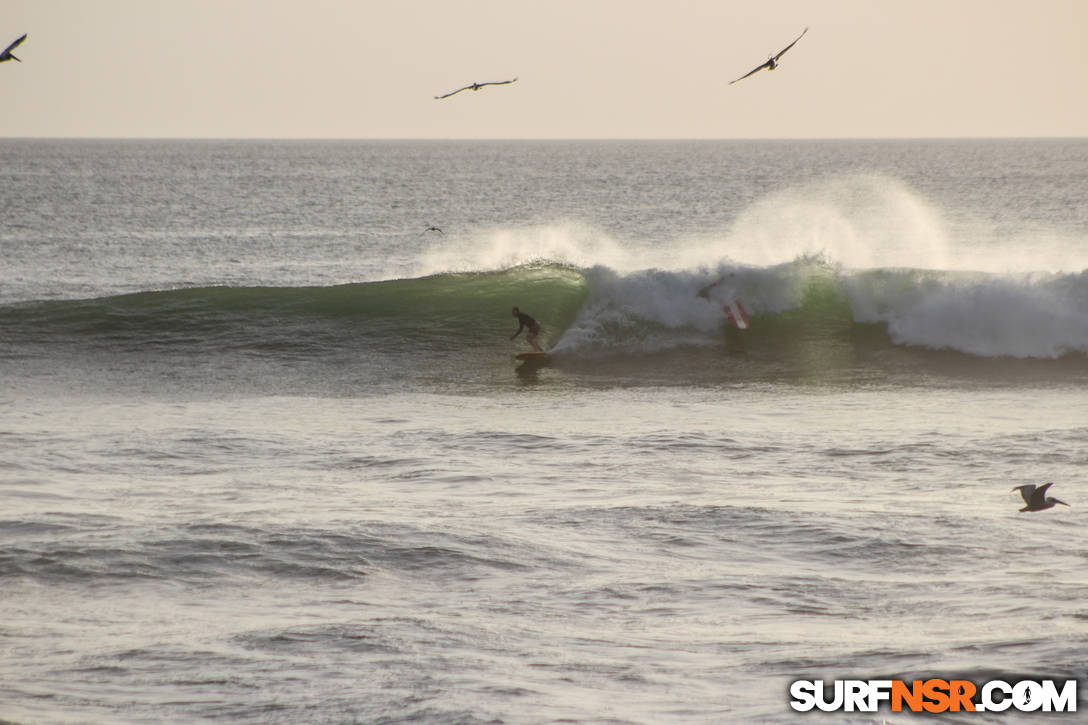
(266, 455)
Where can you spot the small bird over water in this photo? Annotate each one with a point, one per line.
(6, 55)
(475, 87)
(772, 62)
(1035, 497)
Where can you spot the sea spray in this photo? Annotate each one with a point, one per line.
(859, 221)
(567, 243)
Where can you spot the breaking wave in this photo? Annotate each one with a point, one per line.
(591, 311)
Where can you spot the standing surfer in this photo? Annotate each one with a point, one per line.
(524, 321)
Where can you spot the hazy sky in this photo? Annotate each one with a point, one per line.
(586, 68)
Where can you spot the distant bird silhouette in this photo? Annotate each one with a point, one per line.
(1035, 497)
(772, 62)
(435, 229)
(475, 87)
(6, 55)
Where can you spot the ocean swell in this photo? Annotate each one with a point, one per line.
(586, 313)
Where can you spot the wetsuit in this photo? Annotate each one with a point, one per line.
(525, 321)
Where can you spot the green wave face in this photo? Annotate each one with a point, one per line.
(439, 311)
(809, 319)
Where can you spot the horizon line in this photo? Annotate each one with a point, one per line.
(543, 138)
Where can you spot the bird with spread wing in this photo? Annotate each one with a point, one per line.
(1035, 497)
(6, 55)
(772, 62)
(475, 87)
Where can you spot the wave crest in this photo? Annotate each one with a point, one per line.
(1040, 316)
(589, 312)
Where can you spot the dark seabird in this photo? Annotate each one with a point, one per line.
(6, 55)
(435, 229)
(475, 87)
(772, 62)
(1035, 497)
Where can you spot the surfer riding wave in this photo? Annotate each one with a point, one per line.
(525, 321)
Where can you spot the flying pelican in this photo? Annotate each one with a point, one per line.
(772, 62)
(1035, 497)
(6, 55)
(475, 87)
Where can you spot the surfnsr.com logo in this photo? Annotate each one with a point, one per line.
(934, 696)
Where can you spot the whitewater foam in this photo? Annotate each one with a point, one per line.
(1042, 316)
(653, 310)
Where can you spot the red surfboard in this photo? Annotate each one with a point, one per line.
(734, 312)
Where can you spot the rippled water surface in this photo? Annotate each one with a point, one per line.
(265, 456)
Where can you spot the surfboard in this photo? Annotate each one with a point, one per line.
(734, 312)
(532, 360)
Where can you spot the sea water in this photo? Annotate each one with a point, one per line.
(266, 455)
